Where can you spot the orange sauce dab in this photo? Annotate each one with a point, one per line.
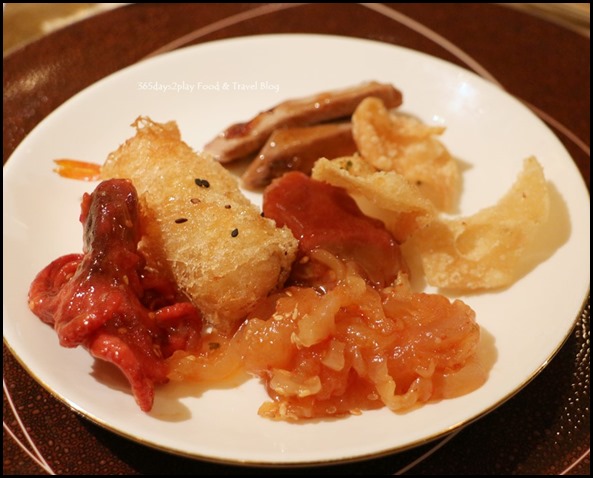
(74, 169)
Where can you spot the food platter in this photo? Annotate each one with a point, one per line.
(204, 89)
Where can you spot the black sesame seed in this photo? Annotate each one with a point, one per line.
(195, 201)
(203, 183)
(181, 220)
(227, 206)
(235, 232)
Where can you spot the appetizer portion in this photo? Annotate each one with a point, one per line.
(199, 228)
(107, 301)
(182, 278)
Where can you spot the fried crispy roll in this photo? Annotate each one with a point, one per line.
(199, 227)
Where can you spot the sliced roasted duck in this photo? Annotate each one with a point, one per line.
(243, 139)
(297, 149)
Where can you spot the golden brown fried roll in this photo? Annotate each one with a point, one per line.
(222, 253)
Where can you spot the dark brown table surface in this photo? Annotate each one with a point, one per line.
(544, 429)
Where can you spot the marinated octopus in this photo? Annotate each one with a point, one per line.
(109, 302)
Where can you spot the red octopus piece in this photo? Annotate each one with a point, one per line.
(102, 298)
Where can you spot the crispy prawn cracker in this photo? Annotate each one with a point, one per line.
(385, 195)
(485, 250)
(395, 142)
(221, 252)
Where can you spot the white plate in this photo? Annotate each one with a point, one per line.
(487, 129)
